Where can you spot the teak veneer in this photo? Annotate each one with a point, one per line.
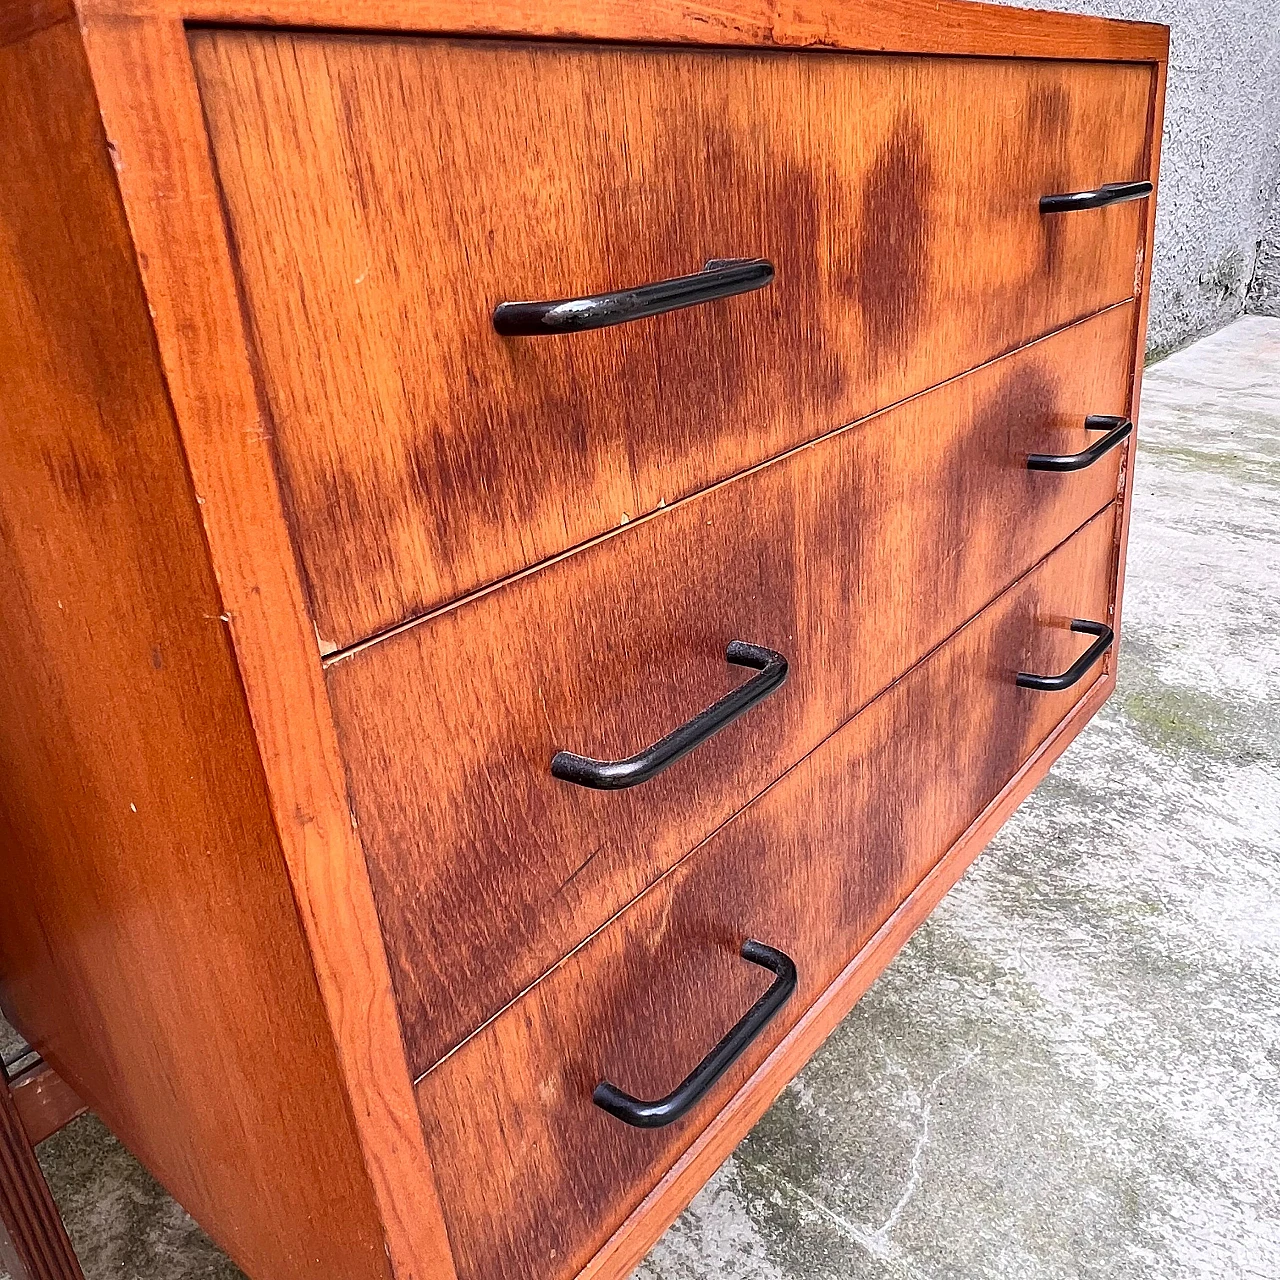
(310, 571)
(409, 486)
(819, 556)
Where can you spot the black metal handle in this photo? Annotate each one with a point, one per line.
(614, 775)
(720, 278)
(1051, 684)
(653, 1115)
(1108, 193)
(1117, 429)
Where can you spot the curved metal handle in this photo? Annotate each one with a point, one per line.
(720, 278)
(1117, 429)
(653, 1115)
(1051, 684)
(1108, 193)
(614, 775)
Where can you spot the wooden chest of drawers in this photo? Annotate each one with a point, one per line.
(538, 543)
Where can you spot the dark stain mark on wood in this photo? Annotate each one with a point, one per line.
(78, 475)
(891, 264)
(1048, 123)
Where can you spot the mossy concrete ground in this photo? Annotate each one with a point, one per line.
(1073, 1069)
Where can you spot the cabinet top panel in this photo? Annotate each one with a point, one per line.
(897, 26)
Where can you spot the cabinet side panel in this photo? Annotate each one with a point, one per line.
(149, 943)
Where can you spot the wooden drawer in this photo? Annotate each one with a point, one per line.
(852, 557)
(384, 194)
(534, 1177)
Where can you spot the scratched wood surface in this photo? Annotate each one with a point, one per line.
(852, 557)
(149, 942)
(813, 867)
(422, 456)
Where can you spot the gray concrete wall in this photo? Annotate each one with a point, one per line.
(1218, 223)
(1264, 291)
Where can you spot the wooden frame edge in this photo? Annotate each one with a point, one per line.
(948, 27)
(154, 124)
(34, 1244)
(1155, 135)
(45, 1102)
(627, 1247)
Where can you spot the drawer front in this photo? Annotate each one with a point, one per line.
(534, 1177)
(385, 194)
(852, 557)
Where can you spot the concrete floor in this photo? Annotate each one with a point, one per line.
(1073, 1069)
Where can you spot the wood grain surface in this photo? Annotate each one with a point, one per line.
(149, 944)
(852, 557)
(384, 194)
(22, 18)
(151, 111)
(814, 867)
